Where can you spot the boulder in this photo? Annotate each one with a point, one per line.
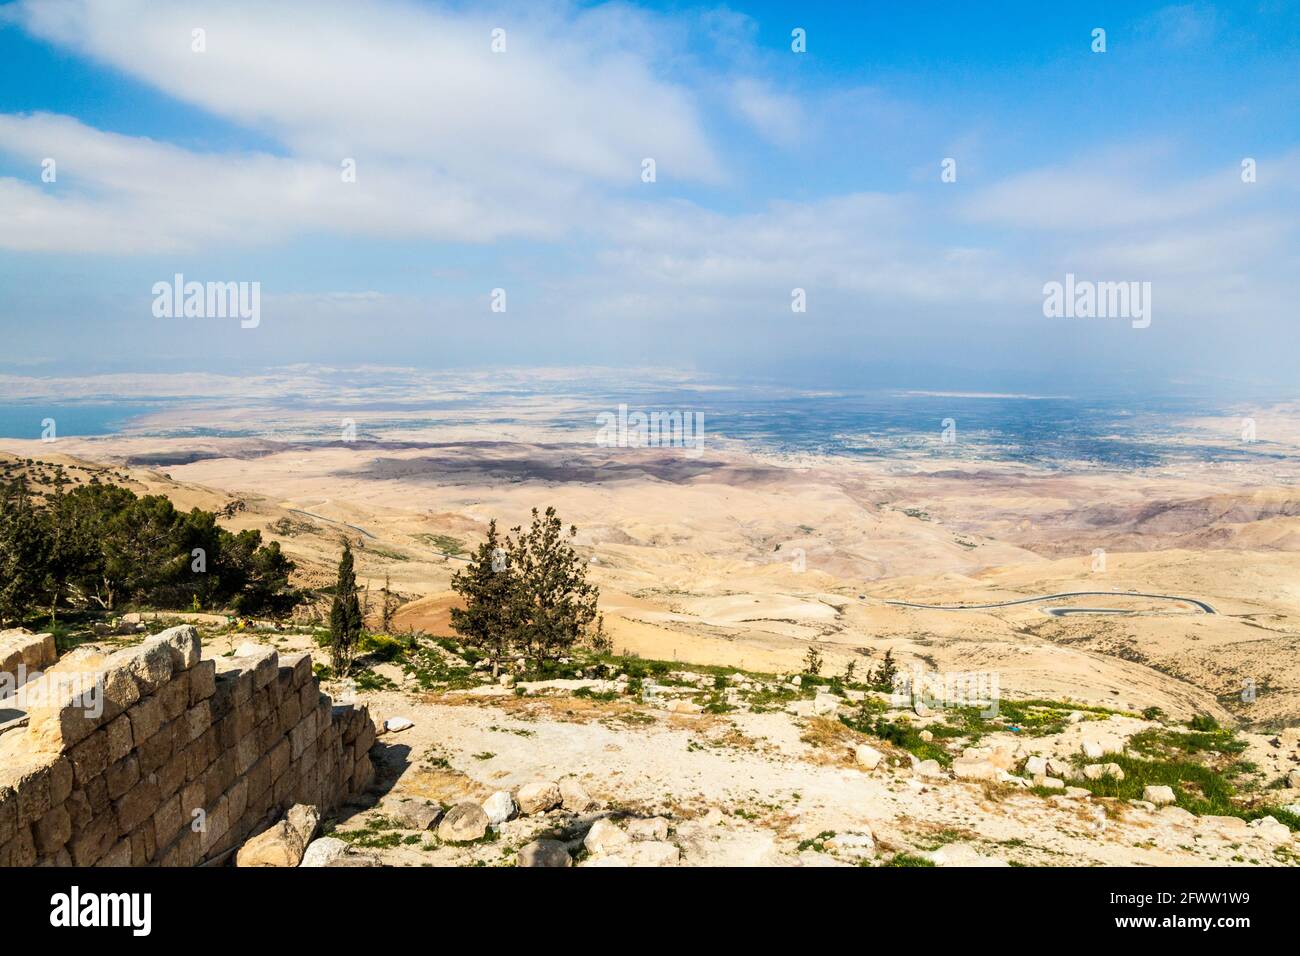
(304, 819)
(929, 768)
(279, 845)
(1158, 795)
(824, 704)
(464, 823)
(1293, 779)
(394, 725)
(574, 797)
(647, 828)
(926, 735)
(324, 851)
(1036, 766)
(1271, 830)
(413, 814)
(1057, 767)
(538, 797)
(964, 769)
(544, 853)
(499, 807)
(868, 757)
(1049, 783)
(604, 839)
(1091, 749)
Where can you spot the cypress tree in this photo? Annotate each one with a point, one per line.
(345, 616)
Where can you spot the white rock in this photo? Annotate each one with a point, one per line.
(324, 851)
(1056, 767)
(796, 680)
(574, 796)
(463, 823)
(975, 770)
(867, 756)
(926, 735)
(1271, 830)
(929, 768)
(1158, 795)
(397, 724)
(538, 797)
(499, 807)
(825, 704)
(550, 853)
(1049, 783)
(1091, 749)
(1036, 766)
(648, 828)
(604, 838)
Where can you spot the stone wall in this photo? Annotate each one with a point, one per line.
(22, 652)
(182, 760)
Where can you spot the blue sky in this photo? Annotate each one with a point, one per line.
(775, 170)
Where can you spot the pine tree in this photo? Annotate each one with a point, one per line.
(486, 586)
(553, 604)
(345, 616)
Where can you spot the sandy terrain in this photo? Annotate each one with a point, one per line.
(743, 558)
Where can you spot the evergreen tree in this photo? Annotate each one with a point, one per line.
(345, 616)
(486, 586)
(24, 541)
(553, 604)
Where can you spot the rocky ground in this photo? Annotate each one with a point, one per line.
(609, 768)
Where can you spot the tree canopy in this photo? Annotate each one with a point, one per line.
(101, 546)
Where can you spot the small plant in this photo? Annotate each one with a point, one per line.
(812, 662)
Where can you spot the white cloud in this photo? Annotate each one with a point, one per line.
(397, 80)
(121, 194)
(777, 116)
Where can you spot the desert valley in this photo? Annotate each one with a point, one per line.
(702, 735)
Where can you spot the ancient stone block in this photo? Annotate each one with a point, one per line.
(89, 758)
(175, 696)
(146, 719)
(53, 830)
(136, 805)
(203, 681)
(200, 719)
(122, 776)
(120, 738)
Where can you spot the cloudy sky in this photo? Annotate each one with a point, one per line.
(522, 170)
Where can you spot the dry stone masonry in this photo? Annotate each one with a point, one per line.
(177, 760)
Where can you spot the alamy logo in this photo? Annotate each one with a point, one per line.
(208, 300)
(1084, 299)
(75, 908)
(651, 430)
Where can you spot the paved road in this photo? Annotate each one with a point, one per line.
(1049, 597)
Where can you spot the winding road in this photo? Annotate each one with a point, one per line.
(1058, 611)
